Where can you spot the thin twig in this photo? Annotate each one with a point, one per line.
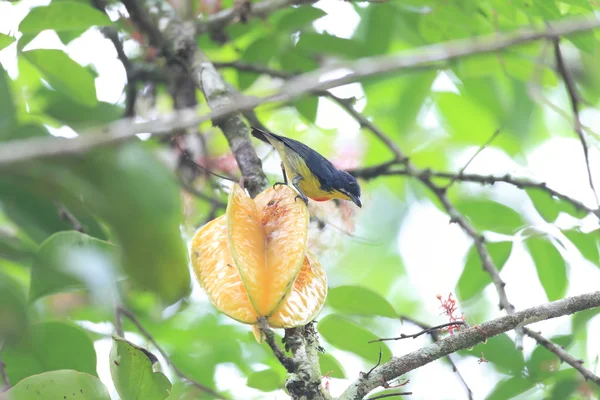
(385, 169)
(574, 98)
(378, 362)
(120, 311)
(67, 216)
(111, 34)
(424, 331)
(435, 335)
(221, 19)
(481, 148)
(564, 356)
(186, 154)
(5, 380)
(270, 339)
(383, 396)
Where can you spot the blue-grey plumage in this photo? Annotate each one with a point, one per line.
(311, 174)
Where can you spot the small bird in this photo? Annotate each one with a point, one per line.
(311, 174)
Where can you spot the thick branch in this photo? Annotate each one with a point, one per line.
(29, 149)
(398, 366)
(180, 37)
(224, 17)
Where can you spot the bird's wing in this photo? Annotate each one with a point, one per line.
(321, 167)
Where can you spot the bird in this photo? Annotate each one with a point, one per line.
(311, 174)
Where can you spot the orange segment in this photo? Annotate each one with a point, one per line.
(285, 225)
(247, 245)
(215, 271)
(306, 298)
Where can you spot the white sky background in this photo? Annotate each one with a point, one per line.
(433, 251)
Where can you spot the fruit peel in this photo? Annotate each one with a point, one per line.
(253, 261)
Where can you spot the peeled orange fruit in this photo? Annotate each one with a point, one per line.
(253, 262)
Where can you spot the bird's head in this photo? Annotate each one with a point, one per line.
(348, 187)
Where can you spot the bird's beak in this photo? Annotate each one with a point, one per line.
(356, 200)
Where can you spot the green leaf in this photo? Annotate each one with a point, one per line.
(142, 208)
(8, 112)
(266, 380)
(6, 40)
(63, 384)
(542, 364)
(64, 75)
(566, 385)
(40, 217)
(549, 207)
(347, 335)
(586, 243)
(377, 27)
(509, 388)
(135, 373)
(501, 352)
(329, 365)
(72, 260)
(75, 114)
(487, 215)
(474, 278)
(359, 300)
(297, 18)
(16, 249)
(307, 107)
(314, 44)
(62, 16)
(14, 320)
(465, 119)
(50, 346)
(550, 266)
(261, 51)
(295, 62)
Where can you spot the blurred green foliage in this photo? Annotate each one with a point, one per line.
(83, 233)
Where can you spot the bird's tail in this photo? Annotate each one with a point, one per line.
(262, 135)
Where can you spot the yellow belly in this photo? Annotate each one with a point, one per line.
(309, 185)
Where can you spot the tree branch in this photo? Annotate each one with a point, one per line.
(564, 356)
(32, 148)
(257, 10)
(385, 169)
(179, 36)
(398, 366)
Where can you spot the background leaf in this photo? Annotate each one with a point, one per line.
(64, 75)
(133, 372)
(266, 380)
(64, 261)
(59, 385)
(488, 215)
(359, 300)
(550, 265)
(50, 346)
(474, 278)
(347, 335)
(62, 16)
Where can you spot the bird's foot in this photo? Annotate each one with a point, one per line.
(304, 199)
(278, 184)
